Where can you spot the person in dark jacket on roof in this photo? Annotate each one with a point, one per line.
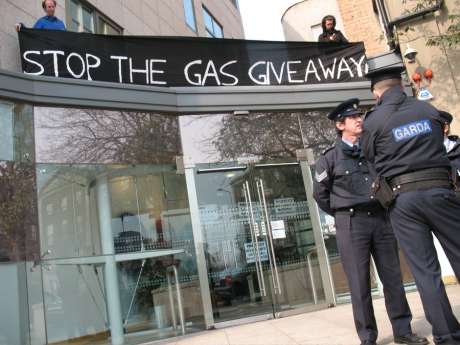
(330, 34)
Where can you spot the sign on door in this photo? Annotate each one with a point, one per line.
(251, 254)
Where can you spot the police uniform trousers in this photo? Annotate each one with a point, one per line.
(358, 237)
(414, 216)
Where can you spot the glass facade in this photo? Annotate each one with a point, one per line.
(105, 237)
(95, 228)
(259, 244)
(21, 315)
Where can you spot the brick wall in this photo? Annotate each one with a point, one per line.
(362, 24)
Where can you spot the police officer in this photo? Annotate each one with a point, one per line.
(403, 139)
(451, 142)
(342, 189)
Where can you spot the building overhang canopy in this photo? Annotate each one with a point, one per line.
(75, 71)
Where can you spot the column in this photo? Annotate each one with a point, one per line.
(305, 158)
(199, 245)
(110, 269)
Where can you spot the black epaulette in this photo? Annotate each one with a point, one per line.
(368, 113)
(328, 149)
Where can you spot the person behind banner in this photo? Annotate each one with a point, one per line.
(403, 139)
(48, 22)
(342, 189)
(330, 34)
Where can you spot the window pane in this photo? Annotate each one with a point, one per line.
(144, 208)
(218, 30)
(16, 132)
(110, 30)
(66, 135)
(88, 23)
(74, 25)
(207, 20)
(189, 14)
(74, 16)
(18, 207)
(6, 131)
(228, 138)
(74, 11)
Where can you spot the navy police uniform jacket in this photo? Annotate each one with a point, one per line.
(454, 154)
(403, 134)
(342, 179)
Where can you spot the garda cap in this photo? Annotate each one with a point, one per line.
(344, 109)
(445, 116)
(384, 66)
(379, 74)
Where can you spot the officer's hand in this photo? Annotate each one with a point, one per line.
(18, 26)
(333, 37)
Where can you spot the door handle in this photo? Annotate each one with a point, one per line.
(271, 257)
(254, 240)
(268, 227)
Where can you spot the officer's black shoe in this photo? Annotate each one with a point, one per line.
(411, 339)
(368, 342)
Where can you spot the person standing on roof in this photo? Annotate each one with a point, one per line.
(330, 34)
(48, 22)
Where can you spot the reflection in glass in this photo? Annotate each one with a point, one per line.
(16, 132)
(18, 212)
(65, 135)
(247, 277)
(21, 311)
(257, 136)
(67, 210)
(148, 213)
(6, 131)
(14, 328)
(235, 283)
(296, 252)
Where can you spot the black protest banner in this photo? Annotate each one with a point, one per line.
(182, 61)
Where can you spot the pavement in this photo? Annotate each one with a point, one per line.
(332, 326)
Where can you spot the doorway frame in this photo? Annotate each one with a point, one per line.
(191, 171)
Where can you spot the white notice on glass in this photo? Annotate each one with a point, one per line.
(278, 229)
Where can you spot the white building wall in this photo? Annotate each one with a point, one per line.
(302, 21)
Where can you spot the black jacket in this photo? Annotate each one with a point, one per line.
(454, 154)
(342, 179)
(328, 36)
(403, 134)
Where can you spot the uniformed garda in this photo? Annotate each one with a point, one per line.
(407, 133)
(451, 143)
(404, 139)
(343, 179)
(453, 153)
(342, 188)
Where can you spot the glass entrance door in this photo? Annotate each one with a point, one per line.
(259, 245)
(285, 220)
(236, 254)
